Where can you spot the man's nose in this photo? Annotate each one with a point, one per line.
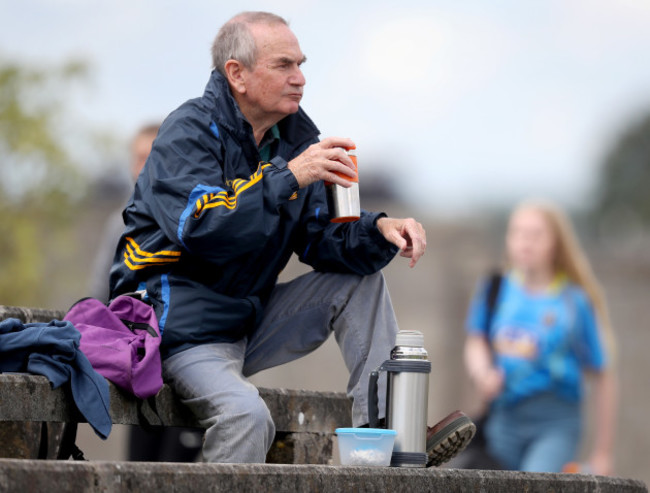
(297, 78)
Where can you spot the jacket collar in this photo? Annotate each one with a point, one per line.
(295, 130)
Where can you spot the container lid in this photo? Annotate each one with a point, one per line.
(366, 431)
(409, 338)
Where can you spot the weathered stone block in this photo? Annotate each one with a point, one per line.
(124, 477)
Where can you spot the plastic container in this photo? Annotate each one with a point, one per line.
(365, 446)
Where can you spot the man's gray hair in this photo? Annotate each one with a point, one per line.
(235, 40)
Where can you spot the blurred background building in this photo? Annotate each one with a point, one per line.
(458, 110)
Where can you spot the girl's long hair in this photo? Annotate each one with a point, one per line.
(571, 260)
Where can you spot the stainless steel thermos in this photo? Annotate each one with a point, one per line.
(407, 395)
(343, 203)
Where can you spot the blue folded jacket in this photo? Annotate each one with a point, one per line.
(52, 350)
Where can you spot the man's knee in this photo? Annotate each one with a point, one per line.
(241, 431)
(258, 415)
(248, 409)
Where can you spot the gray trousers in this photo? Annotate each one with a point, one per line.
(212, 378)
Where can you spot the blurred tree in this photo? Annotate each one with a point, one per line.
(38, 180)
(622, 201)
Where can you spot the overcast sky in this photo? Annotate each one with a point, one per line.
(467, 103)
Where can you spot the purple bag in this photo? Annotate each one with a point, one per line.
(121, 341)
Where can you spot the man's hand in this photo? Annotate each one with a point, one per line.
(407, 234)
(321, 161)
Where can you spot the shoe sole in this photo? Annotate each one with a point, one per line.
(450, 441)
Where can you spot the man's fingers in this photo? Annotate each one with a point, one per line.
(407, 234)
(416, 241)
(336, 172)
(397, 239)
(339, 167)
(325, 160)
(334, 178)
(338, 142)
(413, 254)
(338, 155)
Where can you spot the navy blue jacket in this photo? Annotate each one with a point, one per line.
(210, 226)
(53, 350)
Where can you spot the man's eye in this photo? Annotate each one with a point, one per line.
(286, 64)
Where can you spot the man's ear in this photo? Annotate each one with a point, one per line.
(234, 74)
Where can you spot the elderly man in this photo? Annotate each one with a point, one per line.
(233, 186)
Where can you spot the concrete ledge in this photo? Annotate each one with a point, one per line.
(117, 477)
(29, 398)
(29, 315)
(305, 421)
(25, 397)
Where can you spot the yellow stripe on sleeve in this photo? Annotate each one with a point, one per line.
(239, 186)
(135, 258)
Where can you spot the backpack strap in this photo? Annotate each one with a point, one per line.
(44, 443)
(491, 298)
(149, 418)
(68, 447)
(79, 301)
(133, 326)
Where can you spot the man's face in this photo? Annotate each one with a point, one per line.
(274, 85)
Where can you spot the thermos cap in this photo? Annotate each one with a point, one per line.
(409, 338)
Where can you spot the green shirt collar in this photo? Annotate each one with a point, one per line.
(269, 139)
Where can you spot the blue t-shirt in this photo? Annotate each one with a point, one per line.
(541, 341)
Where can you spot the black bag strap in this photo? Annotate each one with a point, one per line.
(68, 447)
(491, 298)
(79, 301)
(148, 415)
(44, 444)
(133, 326)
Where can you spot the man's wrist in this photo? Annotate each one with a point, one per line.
(381, 215)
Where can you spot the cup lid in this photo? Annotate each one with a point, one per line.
(409, 338)
(366, 431)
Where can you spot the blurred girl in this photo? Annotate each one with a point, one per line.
(549, 326)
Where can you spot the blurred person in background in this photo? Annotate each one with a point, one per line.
(167, 444)
(139, 152)
(548, 327)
